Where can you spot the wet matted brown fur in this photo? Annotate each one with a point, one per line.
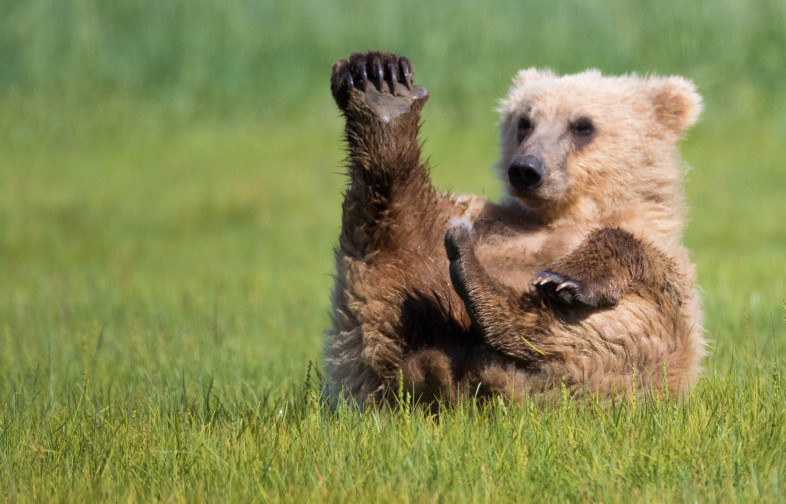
(577, 280)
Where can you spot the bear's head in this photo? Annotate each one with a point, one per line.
(576, 145)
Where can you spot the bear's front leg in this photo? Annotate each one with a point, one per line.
(599, 271)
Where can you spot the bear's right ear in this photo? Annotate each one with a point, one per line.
(531, 75)
(676, 101)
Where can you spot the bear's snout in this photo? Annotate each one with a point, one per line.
(526, 172)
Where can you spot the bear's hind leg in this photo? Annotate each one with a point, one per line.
(389, 263)
(428, 376)
(388, 182)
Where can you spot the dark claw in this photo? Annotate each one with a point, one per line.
(407, 72)
(357, 66)
(337, 66)
(556, 286)
(340, 81)
(350, 82)
(547, 276)
(568, 291)
(569, 285)
(337, 76)
(391, 75)
(375, 70)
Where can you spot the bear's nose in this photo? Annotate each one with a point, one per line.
(526, 172)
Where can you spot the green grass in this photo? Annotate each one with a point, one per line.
(170, 180)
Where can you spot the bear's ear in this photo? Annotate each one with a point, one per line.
(529, 75)
(677, 104)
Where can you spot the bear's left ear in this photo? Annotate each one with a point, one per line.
(676, 101)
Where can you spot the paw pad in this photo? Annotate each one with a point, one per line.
(389, 75)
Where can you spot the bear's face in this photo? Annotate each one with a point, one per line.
(584, 140)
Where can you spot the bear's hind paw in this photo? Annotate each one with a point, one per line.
(391, 93)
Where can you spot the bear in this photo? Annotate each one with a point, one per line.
(577, 281)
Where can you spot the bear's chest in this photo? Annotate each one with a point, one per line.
(513, 260)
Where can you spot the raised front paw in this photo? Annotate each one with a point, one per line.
(381, 81)
(570, 291)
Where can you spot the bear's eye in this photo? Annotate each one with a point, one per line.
(583, 127)
(524, 128)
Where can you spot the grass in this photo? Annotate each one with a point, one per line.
(170, 196)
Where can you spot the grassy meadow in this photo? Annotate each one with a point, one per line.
(170, 187)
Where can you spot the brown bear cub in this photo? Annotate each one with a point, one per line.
(578, 279)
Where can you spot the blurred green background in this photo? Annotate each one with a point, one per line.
(170, 171)
(170, 187)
